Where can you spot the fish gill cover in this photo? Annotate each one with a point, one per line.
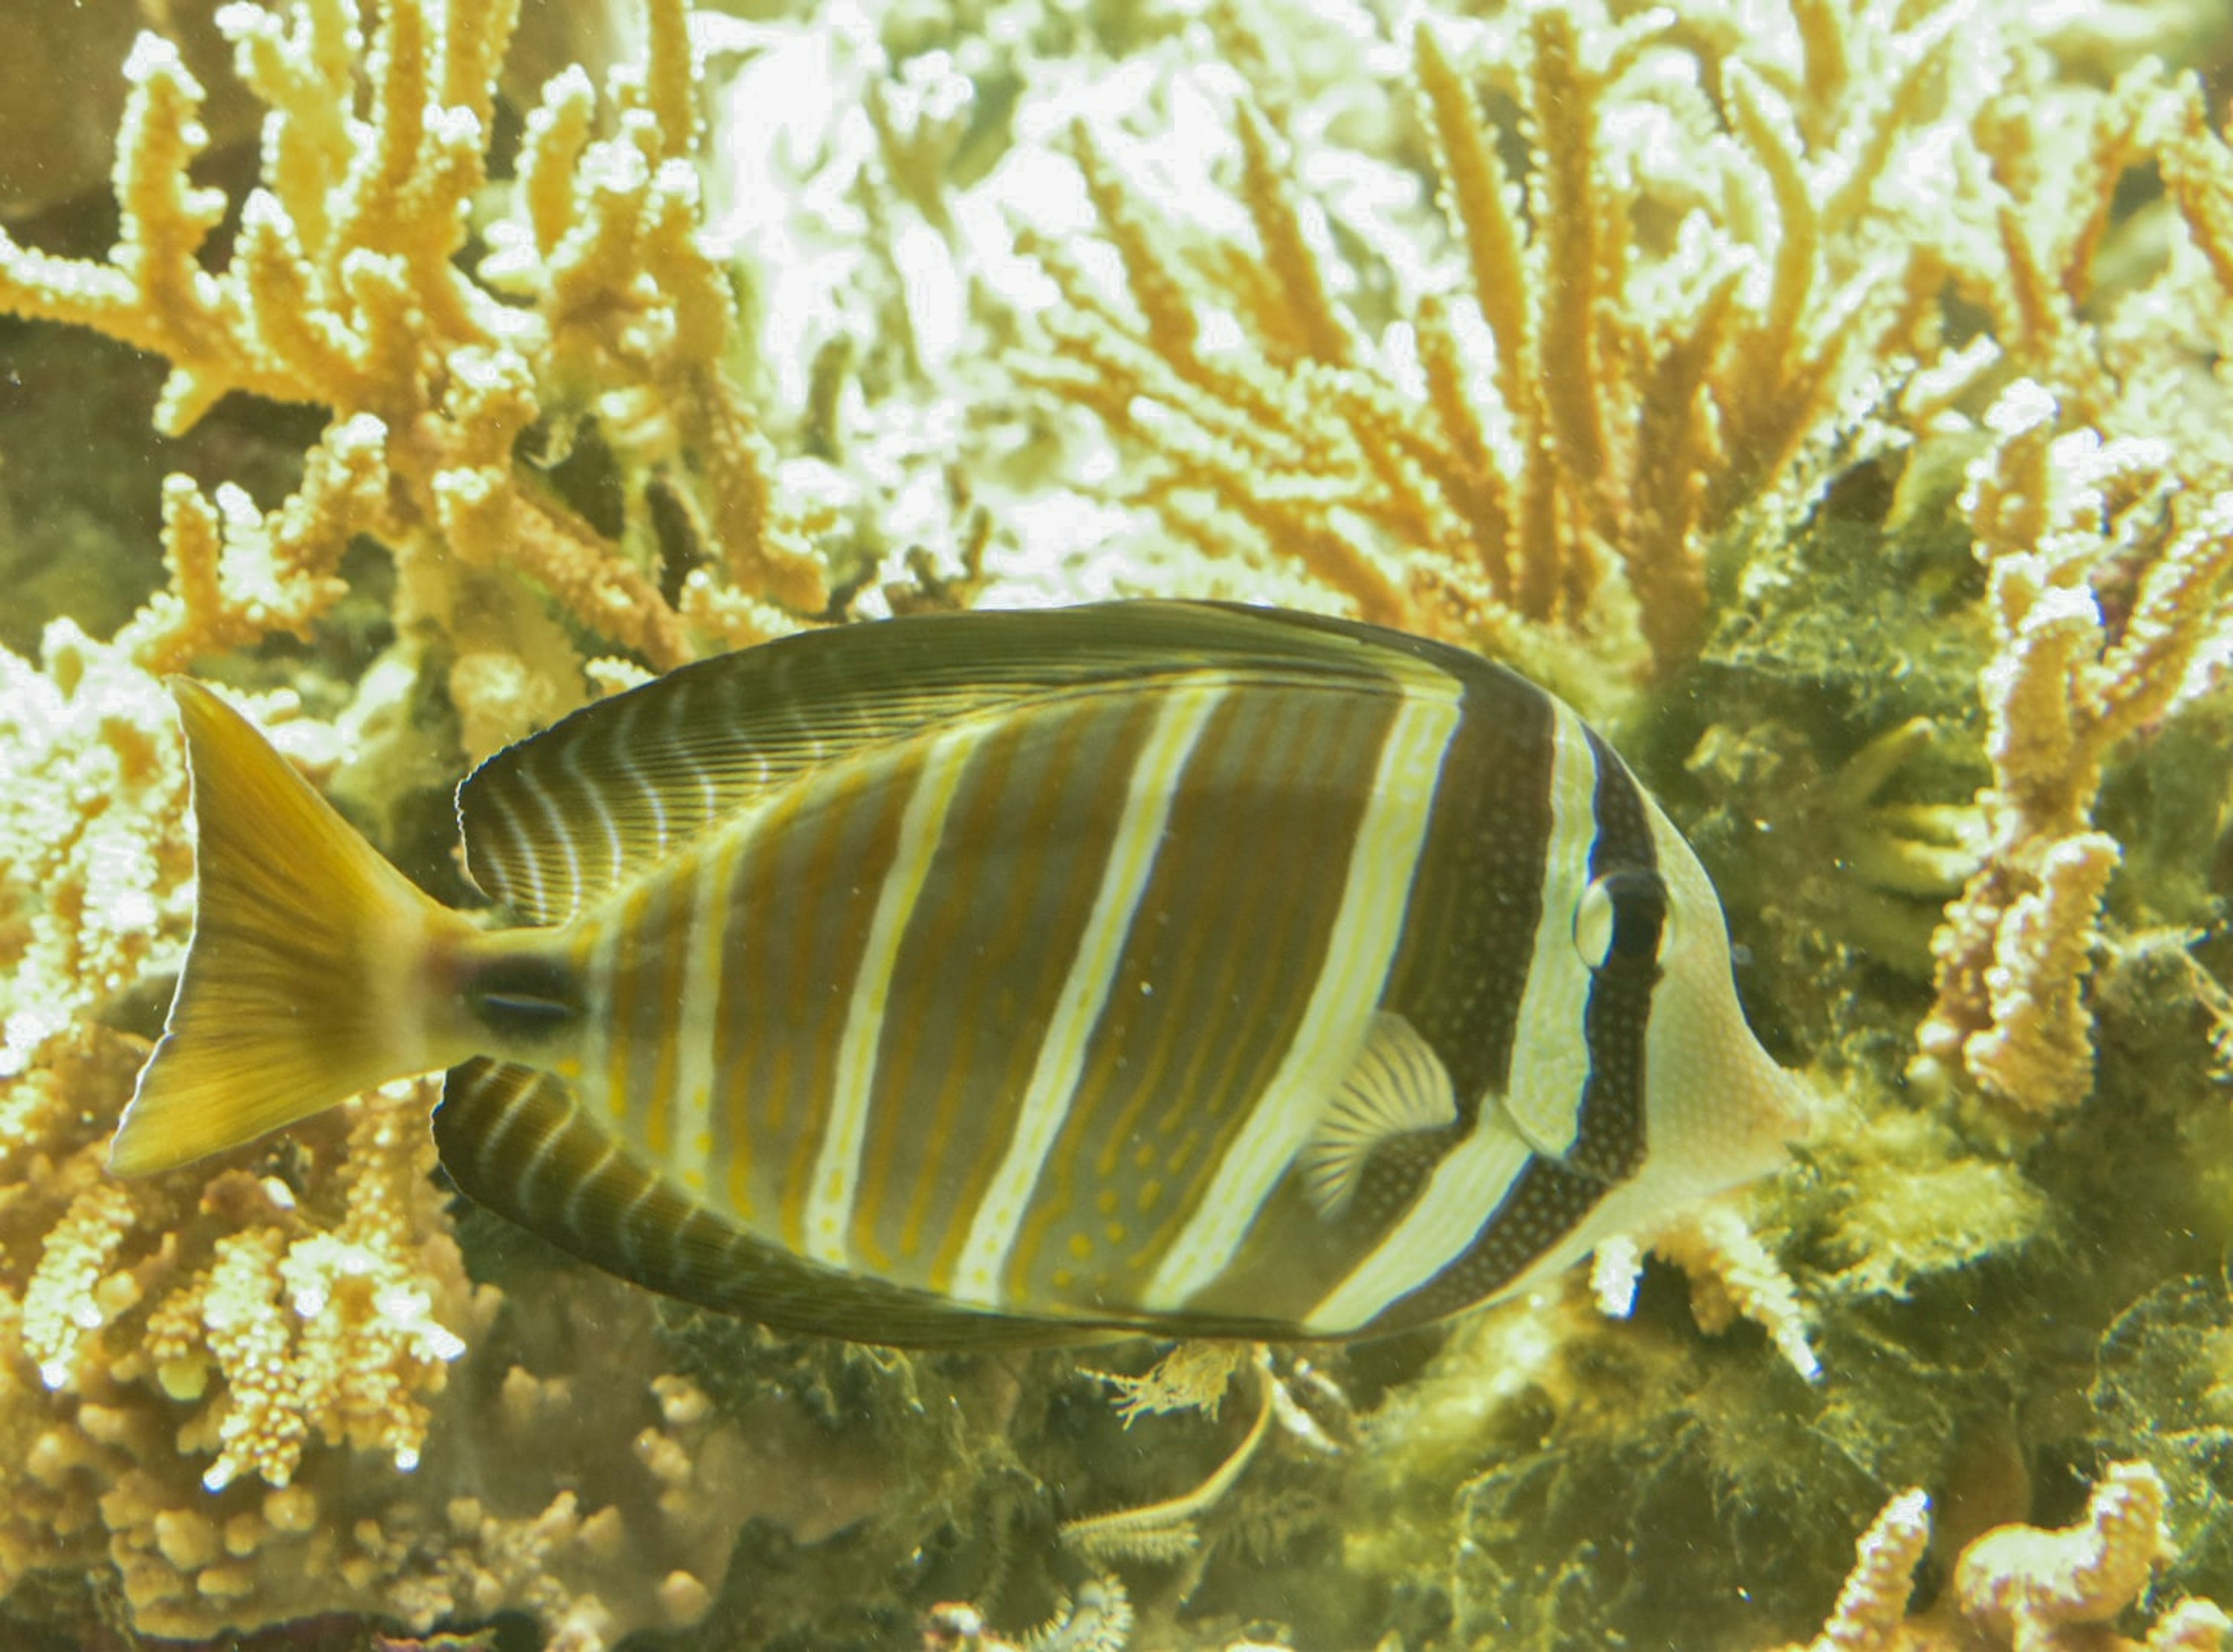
(1829, 401)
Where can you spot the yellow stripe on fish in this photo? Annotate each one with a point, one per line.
(1175, 967)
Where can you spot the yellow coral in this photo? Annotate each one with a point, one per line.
(343, 290)
(1732, 1275)
(2025, 1586)
(335, 1332)
(2053, 513)
(2020, 1588)
(1873, 1603)
(61, 1304)
(257, 1403)
(1552, 444)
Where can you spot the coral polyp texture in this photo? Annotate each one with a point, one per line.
(1833, 400)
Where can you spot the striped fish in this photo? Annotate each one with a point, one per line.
(1168, 967)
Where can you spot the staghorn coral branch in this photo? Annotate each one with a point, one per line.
(2198, 169)
(307, 70)
(238, 575)
(668, 76)
(1308, 308)
(2120, 125)
(558, 133)
(764, 553)
(1732, 1276)
(1570, 221)
(2143, 671)
(1676, 448)
(2036, 1054)
(1469, 475)
(1478, 196)
(1161, 293)
(1872, 1604)
(1762, 399)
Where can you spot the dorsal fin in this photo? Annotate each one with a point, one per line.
(1397, 1085)
(553, 823)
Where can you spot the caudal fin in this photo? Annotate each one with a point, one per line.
(303, 981)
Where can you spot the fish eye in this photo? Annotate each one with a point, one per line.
(1622, 918)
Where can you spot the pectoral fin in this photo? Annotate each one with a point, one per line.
(1397, 1086)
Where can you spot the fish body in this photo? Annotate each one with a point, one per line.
(1168, 967)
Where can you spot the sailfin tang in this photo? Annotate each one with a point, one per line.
(295, 989)
(556, 822)
(1399, 1085)
(515, 1139)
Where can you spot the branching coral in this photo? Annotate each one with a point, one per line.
(253, 1398)
(1732, 1276)
(2055, 517)
(2020, 1588)
(2103, 514)
(1873, 1603)
(93, 876)
(1638, 348)
(240, 1321)
(344, 288)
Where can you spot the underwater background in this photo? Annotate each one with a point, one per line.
(1830, 400)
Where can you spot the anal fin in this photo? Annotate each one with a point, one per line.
(516, 1139)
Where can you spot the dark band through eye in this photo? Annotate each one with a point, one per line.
(1621, 921)
(1639, 914)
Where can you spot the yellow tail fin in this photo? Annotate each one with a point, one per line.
(307, 975)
